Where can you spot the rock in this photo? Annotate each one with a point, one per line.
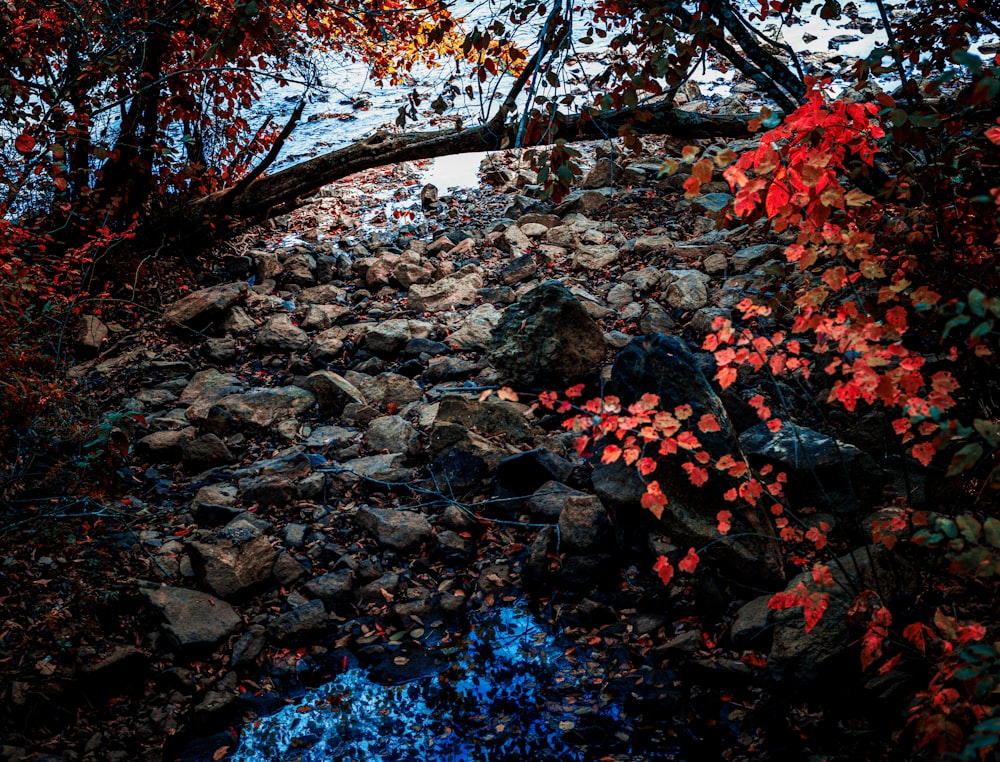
(548, 501)
(395, 529)
(619, 296)
(429, 197)
(686, 289)
(655, 319)
(663, 365)
(390, 336)
(229, 562)
(195, 621)
(803, 658)
(546, 337)
(595, 257)
(206, 451)
(119, 667)
(821, 470)
(534, 229)
(702, 320)
(334, 589)
(90, 335)
(165, 446)
(388, 389)
(604, 173)
(248, 649)
(205, 389)
(584, 526)
(277, 491)
(286, 570)
(392, 433)
(449, 293)
(333, 392)
(522, 474)
(748, 258)
(301, 624)
(313, 318)
(387, 468)
(514, 242)
(199, 309)
(457, 416)
(712, 202)
(221, 351)
(457, 470)
(521, 268)
(535, 573)
(327, 345)
(650, 244)
(279, 334)
(267, 406)
(327, 294)
(477, 328)
(751, 627)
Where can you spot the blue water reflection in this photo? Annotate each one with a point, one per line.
(510, 693)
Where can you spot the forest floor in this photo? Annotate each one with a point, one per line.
(327, 469)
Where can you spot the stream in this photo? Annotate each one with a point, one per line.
(509, 691)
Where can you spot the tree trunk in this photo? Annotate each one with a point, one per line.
(220, 213)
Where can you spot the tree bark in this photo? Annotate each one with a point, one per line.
(222, 212)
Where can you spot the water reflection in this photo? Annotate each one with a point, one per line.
(509, 693)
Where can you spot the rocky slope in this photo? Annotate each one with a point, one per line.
(320, 467)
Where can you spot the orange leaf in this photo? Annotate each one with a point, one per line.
(708, 423)
(611, 454)
(507, 394)
(726, 376)
(646, 466)
(664, 569)
(689, 563)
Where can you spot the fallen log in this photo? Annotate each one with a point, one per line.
(222, 212)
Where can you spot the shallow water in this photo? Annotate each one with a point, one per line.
(509, 692)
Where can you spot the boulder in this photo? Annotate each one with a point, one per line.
(232, 560)
(663, 365)
(279, 334)
(266, 407)
(477, 328)
(584, 526)
(807, 658)
(547, 337)
(333, 392)
(453, 291)
(199, 309)
(334, 589)
(299, 625)
(206, 451)
(90, 335)
(390, 336)
(395, 529)
(686, 289)
(194, 620)
(595, 257)
(393, 434)
(387, 389)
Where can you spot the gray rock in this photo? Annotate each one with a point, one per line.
(90, 335)
(520, 269)
(248, 649)
(229, 565)
(281, 335)
(206, 451)
(449, 293)
(387, 468)
(221, 351)
(334, 589)
(390, 389)
(394, 529)
(548, 500)
(205, 389)
(312, 318)
(394, 434)
(712, 202)
(595, 257)
(328, 344)
(748, 258)
(584, 526)
(686, 289)
(333, 392)
(302, 623)
(390, 336)
(649, 244)
(751, 627)
(194, 620)
(266, 407)
(603, 174)
(546, 337)
(287, 571)
(165, 446)
(477, 328)
(199, 309)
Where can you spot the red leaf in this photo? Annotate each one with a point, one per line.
(24, 143)
(611, 454)
(698, 476)
(689, 563)
(708, 423)
(724, 518)
(664, 569)
(924, 452)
